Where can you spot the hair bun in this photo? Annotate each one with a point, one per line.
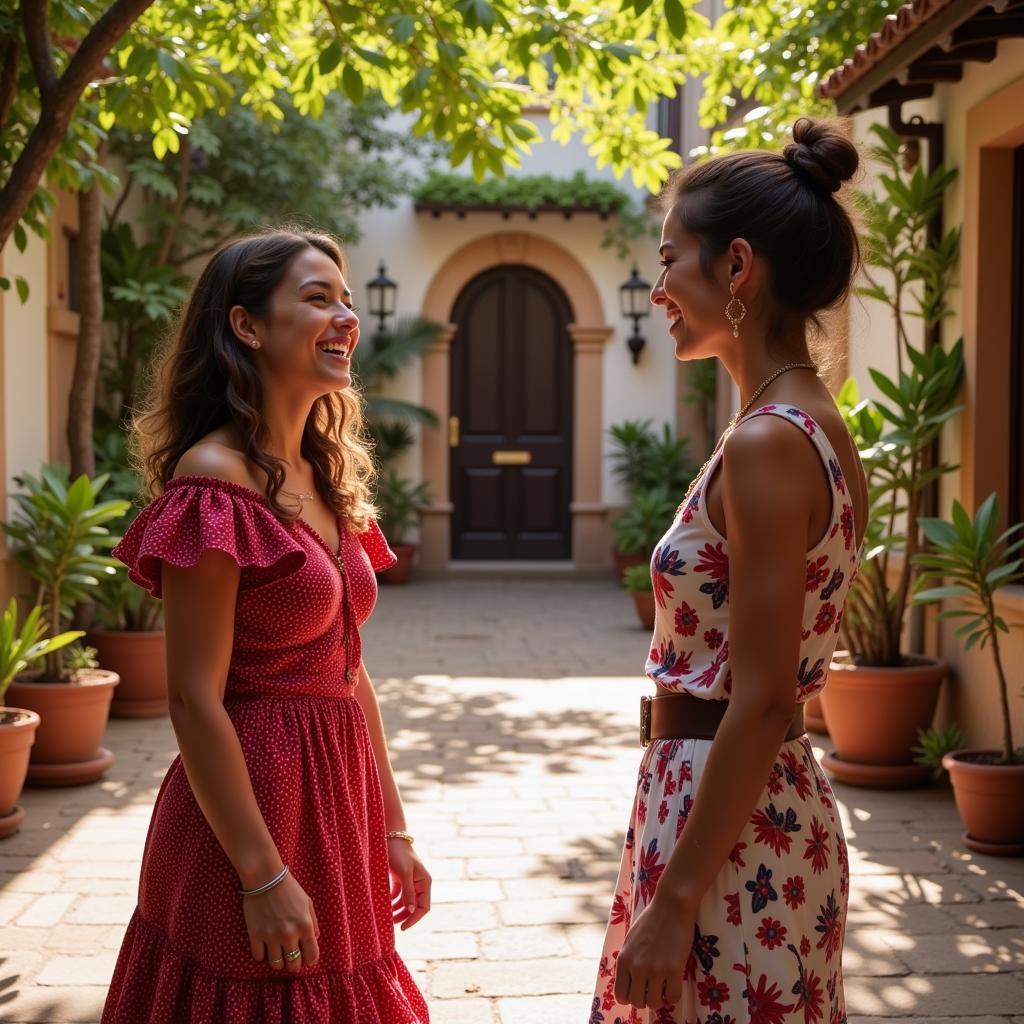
(821, 154)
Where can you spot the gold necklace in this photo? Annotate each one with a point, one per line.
(758, 391)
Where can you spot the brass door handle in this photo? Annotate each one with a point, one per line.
(453, 431)
(511, 458)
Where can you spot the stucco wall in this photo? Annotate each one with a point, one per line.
(971, 694)
(414, 246)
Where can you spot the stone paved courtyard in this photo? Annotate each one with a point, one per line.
(511, 709)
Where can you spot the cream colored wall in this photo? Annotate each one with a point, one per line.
(970, 696)
(26, 419)
(414, 246)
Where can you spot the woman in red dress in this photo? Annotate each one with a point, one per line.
(277, 860)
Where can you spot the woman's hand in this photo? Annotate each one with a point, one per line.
(410, 883)
(280, 921)
(649, 971)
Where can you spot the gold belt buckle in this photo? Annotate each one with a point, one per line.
(645, 721)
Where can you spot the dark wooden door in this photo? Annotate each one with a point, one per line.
(511, 403)
(1015, 509)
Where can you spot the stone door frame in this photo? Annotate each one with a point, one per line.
(589, 334)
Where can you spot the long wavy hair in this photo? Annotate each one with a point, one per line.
(205, 378)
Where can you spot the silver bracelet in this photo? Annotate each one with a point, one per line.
(266, 886)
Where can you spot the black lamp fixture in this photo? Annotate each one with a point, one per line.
(635, 302)
(382, 292)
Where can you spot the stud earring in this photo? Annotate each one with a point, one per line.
(735, 316)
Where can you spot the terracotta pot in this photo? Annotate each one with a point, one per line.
(874, 715)
(814, 715)
(644, 603)
(67, 749)
(17, 732)
(402, 569)
(140, 659)
(624, 562)
(990, 800)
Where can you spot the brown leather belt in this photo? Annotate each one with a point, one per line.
(681, 716)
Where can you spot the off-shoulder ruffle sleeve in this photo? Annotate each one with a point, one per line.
(197, 514)
(377, 550)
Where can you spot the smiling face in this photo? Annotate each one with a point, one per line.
(693, 301)
(306, 340)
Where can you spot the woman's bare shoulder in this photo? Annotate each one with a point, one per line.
(212, 457)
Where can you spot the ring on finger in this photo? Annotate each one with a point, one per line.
(291, 955)
(277, 959)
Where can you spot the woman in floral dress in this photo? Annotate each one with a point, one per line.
(731, 898)
(277, 860)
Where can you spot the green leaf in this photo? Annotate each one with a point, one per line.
(352, 83)
(675, 15)
(329, 58)
(21, 285)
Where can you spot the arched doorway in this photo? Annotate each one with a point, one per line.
(511, 408)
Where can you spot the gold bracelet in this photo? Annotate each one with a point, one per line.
(401, 834)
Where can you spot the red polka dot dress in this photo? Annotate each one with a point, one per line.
(290, 695)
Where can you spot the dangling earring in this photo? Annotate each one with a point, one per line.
(735, 317)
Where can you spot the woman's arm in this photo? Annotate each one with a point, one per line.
(410, 891)
(769, 474)
(199, 612)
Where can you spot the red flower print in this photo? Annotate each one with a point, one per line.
(771, 933)
(846, 523)
(710, 674)
(804, 418)
(830, 926)
(684, 814)
(808, 991)
(685, 772)
(833, 584)
(705, 948)
(796, 774)
(712, 992)
(772, 828)
(762, 892)
(805, 946)
(826, 616)
(666, 752)
(670, 785)
(715, 562)
(713, 638)
(671, 663)
(648, 872)
(793, 891)
(775, 785)
(736, 855)
(620, 910)
(808, 676)
(817, 847)
(662, 812)
(687, 620)
(732, 913)
(666, 562)
(817, 573)
(763, 1002)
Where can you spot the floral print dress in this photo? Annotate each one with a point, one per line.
(769, 932)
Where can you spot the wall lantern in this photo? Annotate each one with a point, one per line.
(635, 303)
(382, 292)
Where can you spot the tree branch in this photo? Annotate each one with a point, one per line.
(57, 111)
(37, 42)
(8, 78)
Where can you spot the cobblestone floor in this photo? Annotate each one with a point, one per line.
(511, 710)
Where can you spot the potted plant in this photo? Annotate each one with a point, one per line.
(879, 695)
(637, 581)
(641, 525)
(646, 464)
(59, 530)
(988, 784)
(19, 651)
(401, 503)
(128, 634)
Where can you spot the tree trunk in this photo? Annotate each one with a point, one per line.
(82, 399)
